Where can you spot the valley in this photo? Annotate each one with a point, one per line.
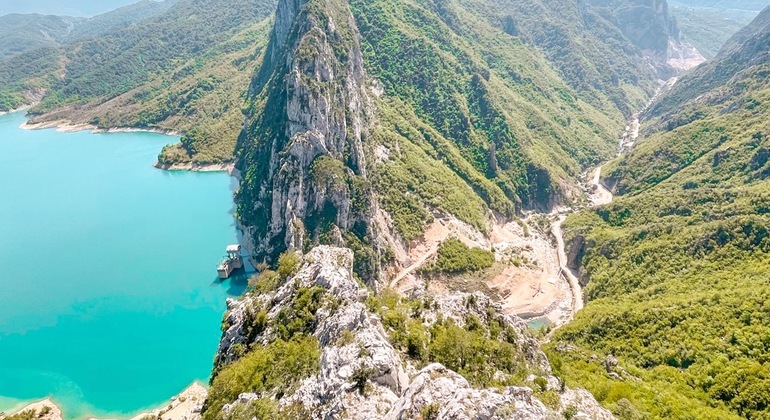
(457, 209)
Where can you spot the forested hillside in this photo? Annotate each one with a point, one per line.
(538, 93)
(182, 66)
(677, 266)
(368, 120)
(21, 33)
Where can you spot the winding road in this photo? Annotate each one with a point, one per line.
(600, 197)
(574, 283)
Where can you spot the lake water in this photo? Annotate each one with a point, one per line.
(109, 300)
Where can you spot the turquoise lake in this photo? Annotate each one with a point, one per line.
(109, 299)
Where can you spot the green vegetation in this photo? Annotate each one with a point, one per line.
(24, 415)
(165, 71)
(506, 116)
(535, 97)
(455, 257)
(292, 354)
(22, 33)
(477, 350)
(269, 280)
(272, 370)
(678, 265)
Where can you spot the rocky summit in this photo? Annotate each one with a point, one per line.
(360, 374)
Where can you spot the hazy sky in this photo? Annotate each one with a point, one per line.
(61, 7)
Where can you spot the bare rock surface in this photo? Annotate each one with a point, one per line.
(362, 376)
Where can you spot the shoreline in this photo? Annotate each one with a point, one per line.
(197, 167)
(183, 406)
(65, 126)
(11, 111)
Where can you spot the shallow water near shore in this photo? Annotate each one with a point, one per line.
(109, 299)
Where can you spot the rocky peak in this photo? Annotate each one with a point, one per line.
(361, 374)
(302, 155)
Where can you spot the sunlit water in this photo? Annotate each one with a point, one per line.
(109, 301)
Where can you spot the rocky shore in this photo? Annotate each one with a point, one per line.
(197, 167)
(66, 126)
(185, 406)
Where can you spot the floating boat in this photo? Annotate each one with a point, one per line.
(231, 262)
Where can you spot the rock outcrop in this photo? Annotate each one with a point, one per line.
(305, 173)
(362, 375)
(450, 396)
(651, 28)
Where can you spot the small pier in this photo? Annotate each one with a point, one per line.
(231, 262)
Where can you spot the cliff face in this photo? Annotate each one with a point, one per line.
(746, 51)
(360, 374)
(651, 28)
(302, 155)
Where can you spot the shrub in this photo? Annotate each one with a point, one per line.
(570, 412)
(265, 282)
(274, 369)
(430, 411)
(455, 257)
(288, 264)
(361, 377)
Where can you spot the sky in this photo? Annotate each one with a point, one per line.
(61, 7)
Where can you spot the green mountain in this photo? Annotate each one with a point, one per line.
(21, 33)
(31, 47)
(165, 71)
(367, 122)
(677, 266)
(514, 129)
(743, 51)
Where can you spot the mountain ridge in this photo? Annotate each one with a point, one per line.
(676, 265)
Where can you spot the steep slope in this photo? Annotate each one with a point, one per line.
(119, 18)
(356, 137)
(747, 48)
(587, 45)
(677, 266)
(32, 56)
(709, 29)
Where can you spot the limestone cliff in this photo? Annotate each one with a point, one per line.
(304, 169)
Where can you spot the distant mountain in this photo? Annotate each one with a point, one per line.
(178, 65)
(21, 33)
(751, 5)
(80, 8)
(709, 29)
(677, 266)
(119, 18)
(748, 48)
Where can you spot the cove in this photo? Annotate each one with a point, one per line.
(109, 298)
